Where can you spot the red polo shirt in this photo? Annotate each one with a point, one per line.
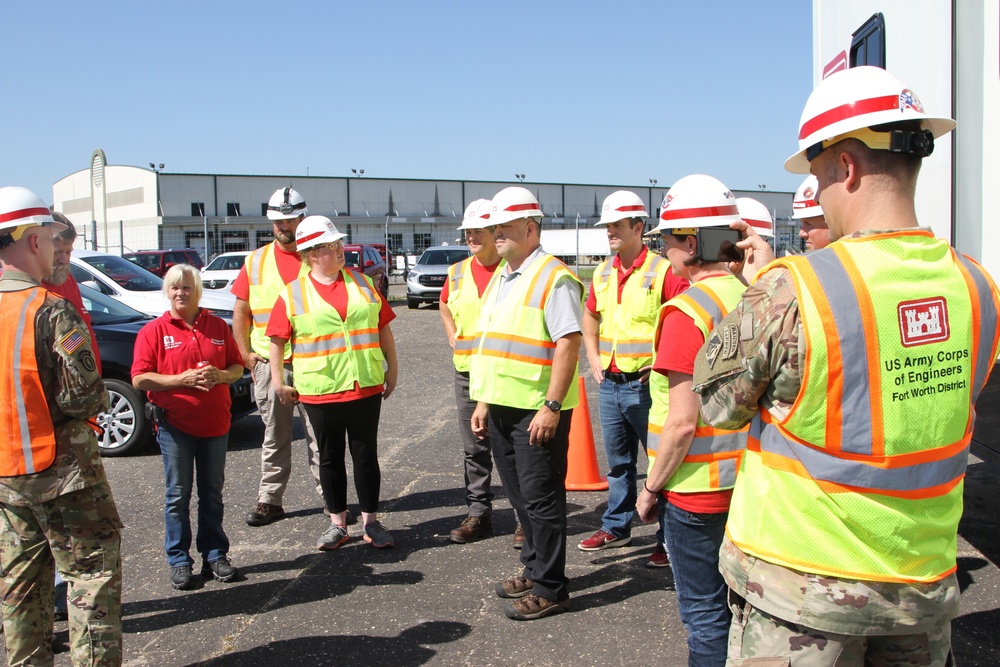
(334, 294)
(167, 346)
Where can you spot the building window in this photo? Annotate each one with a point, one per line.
(233, 209)
(395, 242)
(868, 43)
(421, 241)
(197, 209)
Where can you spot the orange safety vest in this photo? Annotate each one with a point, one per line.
(27, 436)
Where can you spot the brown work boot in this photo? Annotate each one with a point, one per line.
(473, 528)
(264, 514)
(518, 540)
(514, 587)
(531, 607)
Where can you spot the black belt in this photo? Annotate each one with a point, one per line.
(623, 378)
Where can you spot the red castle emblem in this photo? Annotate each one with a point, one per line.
(923, 321)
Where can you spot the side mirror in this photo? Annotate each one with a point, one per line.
(369, 263)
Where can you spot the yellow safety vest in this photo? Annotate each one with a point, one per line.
(864, 476)
(512, 365)
(27, 436)
(714, 456)
(330, 354)
(464, 304)
(265, 286)
(627, 328)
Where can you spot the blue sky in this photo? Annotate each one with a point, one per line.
(578, 92)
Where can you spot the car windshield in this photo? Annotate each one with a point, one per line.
(125, 273)
(105, 310)
(145, 261)
(227, 263)
(351, 257)
(442, 257)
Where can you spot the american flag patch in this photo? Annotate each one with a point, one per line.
(72, 341)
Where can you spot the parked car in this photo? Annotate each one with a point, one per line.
(158, 262)
(223, 270)
(425, 279)
(135, 286)
(368, 260)
(116, 327)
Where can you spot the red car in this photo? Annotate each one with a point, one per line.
(158, 261)
(367, 259)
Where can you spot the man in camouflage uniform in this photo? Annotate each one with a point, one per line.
(836, 491)
(63, 516)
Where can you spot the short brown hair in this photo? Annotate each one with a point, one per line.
(68, 234)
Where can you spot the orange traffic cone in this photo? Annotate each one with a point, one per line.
(582, 473)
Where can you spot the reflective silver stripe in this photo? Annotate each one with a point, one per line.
(260, 319)
(703, 298)
(650, 275)
(365, 288)
(22, 409)
(529, 350)
(826, 467)
(633, 349)
(541, 279)
(456, 277)
(856, 405)
(298, 298)
(605, 345)
(465, 344)
(720, 442)
(987, 326)
(652, 441)
(257, 265)
(336, 343)
(357, 340)
(727, 472)
(606, 273)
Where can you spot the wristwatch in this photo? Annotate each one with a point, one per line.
(554, 406)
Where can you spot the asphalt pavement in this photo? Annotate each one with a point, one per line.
(428, 601)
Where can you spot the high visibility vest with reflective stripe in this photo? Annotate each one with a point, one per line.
(714, 456)
(464, 304)
(328, 353)
(265, 285)
(627, 328)
(27, 437)
(864, 476)
(512, 365)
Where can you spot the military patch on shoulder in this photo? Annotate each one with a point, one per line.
(72, 341)
(730, 334)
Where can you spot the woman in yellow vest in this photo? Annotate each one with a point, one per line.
(692, 465)
(338, 327)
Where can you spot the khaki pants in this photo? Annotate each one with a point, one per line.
(276, 450)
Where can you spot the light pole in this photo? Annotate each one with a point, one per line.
(652, 183)
(358, 172)
(519, 177)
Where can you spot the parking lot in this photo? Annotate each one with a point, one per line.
(428, 601)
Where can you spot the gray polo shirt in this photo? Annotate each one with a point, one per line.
(563, 309)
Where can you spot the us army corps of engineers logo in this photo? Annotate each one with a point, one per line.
(923, 321)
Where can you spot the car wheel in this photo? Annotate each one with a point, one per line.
(124, 424)
(412, 303)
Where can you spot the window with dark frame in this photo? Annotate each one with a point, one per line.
(868, 43)
(197, 209)
(233, 209)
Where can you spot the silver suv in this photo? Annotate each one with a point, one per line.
(425, 279)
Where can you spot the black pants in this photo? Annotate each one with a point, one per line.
(359, 419)
(534, 478)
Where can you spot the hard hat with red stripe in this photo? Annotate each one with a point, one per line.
(853, 103)
(316, 230)
(285, 204)
(477, 215)
(756, 215)
(514, 203)
(622, 205)
(805, 204)
(696, 201)
(20, 208)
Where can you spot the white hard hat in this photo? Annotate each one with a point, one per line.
(477, 215)
(20, 208)
(285, 204)
(756, 215)
(316, 230)
(514, 203)
(805, 204)
(620, 205)
(849, 102)
(696, 201)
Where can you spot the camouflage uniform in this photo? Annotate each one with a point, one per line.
(64, 516)
(794, 617)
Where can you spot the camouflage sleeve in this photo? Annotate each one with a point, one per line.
(66, 363)
(753, 356)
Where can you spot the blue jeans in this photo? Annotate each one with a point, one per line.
(624, 423)
(182, 453)
(693, 541)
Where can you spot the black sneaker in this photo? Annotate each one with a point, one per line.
(180, 578)
(220, 570)
(264, 514)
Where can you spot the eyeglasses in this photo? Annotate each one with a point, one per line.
(328, 246)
